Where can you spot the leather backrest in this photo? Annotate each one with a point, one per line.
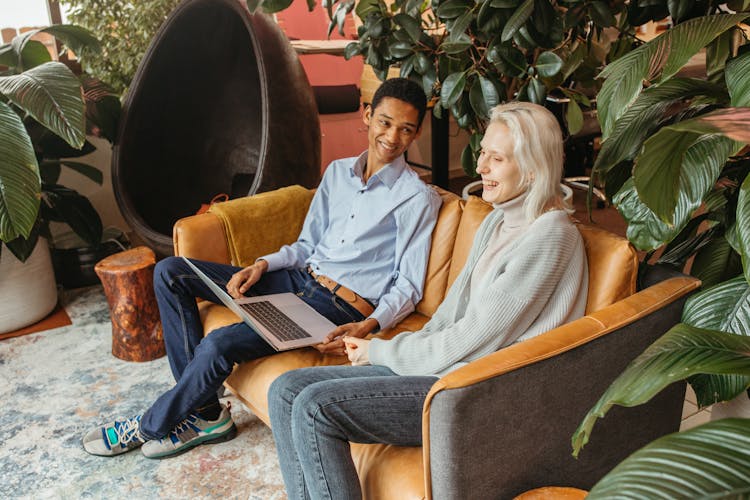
(443, 240)
(613, 267)
(475, 210)
(612, 260)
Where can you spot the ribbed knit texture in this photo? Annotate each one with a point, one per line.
(538, 283)
(513, 225)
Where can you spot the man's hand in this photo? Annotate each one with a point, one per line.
(334, 344)
(358, 351)
(241, 281)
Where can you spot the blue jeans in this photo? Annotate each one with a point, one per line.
(201, 364)
(315, 413)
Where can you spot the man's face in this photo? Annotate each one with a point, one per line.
(393, 125)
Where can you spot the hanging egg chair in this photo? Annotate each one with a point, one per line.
(219, 104)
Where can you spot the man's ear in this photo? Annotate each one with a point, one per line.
(367, 114)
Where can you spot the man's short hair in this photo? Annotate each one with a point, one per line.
(402, 89)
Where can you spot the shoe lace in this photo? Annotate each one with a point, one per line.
(184, 425)
(128, 430)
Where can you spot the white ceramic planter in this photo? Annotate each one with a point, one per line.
(28, 291)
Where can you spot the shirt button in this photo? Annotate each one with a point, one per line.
(351, 216)
(342, 241)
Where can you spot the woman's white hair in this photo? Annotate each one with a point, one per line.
(538, 152)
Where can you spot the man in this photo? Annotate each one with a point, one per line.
(368, 230)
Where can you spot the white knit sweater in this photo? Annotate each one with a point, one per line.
(540, 281)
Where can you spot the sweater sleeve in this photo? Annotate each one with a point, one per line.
(498, 316)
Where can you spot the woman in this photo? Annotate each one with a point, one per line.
(526, 274)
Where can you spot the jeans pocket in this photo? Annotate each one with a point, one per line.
(345, 309)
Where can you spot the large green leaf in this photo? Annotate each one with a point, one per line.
(76, 210)
(655, 61)
(452, 9)
(483, 96)
(645, 230)
(573, 117)
(743, 225)
(681, 352)
(709, 461)
(716, 262)
(271, 6)
(452, 88)
(507, 59)
(642, 118)
(410, 25)
(34, 54)
(19, 178)
(689, 181)
(7, 56)
(76, 38)
(458, 27)
(737, 75)
(724, 307)
(688, 157)
(52, 94)
(518, 19)
(548, 64)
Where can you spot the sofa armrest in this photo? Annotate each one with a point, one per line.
(241, 230)
(502, 425)
(201, 237)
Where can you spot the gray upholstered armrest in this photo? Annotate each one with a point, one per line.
(503, 424)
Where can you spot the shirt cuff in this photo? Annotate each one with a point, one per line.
(383, 316)
(274, 262)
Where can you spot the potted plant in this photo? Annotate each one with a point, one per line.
(471, 55)
(42, 111)
(675, 161)
(672, 160)
(125, 30)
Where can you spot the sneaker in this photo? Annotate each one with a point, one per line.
(114, 438)
(191, 432)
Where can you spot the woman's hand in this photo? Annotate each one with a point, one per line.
(358, 351)
(333, 343)
(241, 281)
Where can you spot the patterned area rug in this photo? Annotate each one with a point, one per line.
(58, 384)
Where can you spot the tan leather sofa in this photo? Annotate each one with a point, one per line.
(501, 425)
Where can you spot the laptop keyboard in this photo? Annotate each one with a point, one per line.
(278, 323)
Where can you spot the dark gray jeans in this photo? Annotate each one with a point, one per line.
(315, 413)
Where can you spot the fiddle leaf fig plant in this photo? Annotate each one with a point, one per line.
(43, 119)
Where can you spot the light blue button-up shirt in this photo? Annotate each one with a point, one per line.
(373, 238)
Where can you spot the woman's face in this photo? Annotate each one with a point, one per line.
(501, 177)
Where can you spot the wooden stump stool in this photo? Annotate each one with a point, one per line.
(128, 284)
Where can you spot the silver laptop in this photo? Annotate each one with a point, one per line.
(283, 320)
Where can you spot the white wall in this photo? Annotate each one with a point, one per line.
(102, 197)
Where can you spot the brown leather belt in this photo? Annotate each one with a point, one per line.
(359, 303)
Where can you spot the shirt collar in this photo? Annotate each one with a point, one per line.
(388, 175)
